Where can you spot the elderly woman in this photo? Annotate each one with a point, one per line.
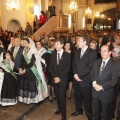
(116, 57)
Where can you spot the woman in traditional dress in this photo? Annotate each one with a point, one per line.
(8, 81)
(32, 88)
(40, 63)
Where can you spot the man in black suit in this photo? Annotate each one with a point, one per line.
(59, 68)
(82, 64)
(17, 54)
(73, 43)
(99, 46)
(104, 76)
(52, 9)
(67, 38)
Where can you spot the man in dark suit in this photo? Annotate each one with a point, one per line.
(59, 68)
(73, 43)
(99, 46)
(104, 76)
(17, 54)
(67, 38)
(82, 64)
(52, 9)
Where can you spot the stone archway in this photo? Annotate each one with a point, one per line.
(13, 25)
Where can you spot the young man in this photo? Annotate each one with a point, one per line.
(104, 77)
(59, 68)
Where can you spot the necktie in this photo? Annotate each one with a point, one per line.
(81, 54)
(102, 68)
(58, 59)
(15, 53)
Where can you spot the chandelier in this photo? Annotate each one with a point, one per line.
(73, 7)
(88, 11)
(13, 5)
(97, 14)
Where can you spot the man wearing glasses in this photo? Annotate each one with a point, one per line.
(104, 77)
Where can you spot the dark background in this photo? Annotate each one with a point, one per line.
(104, 1)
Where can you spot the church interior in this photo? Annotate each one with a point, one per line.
(71, 16)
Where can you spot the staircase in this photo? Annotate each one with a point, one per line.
(54, 24)
(48, 27)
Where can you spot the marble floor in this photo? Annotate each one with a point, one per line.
(41, 111)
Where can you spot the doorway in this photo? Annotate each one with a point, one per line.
(13, 25)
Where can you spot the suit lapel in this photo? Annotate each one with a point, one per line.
(98, 67)
(85, 54)
(79, 52)
(62, 57)
(56, 58)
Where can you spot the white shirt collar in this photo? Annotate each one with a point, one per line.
(106, 60)
(84, 49)
(17, 47)
(61, 52)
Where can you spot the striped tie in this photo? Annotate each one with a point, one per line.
(58, 59)
(102, 68)
(15, 53)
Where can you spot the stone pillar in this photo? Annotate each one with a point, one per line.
(118, 5)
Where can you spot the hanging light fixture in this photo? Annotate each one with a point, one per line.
(88, 12)
(13, 5)
(97, 14)
(73, 7)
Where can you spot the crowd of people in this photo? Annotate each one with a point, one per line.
(88, 61)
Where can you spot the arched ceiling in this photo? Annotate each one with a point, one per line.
(110, 13)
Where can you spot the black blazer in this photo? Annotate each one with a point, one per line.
(2, 50)
(82, 66)
(18, 59)
(108, 80)
(62, 69)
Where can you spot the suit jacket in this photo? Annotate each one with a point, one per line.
(108, 80)
(82, 66)
(18, 59)
(62, 69)
(67, 39)
(2, 50)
